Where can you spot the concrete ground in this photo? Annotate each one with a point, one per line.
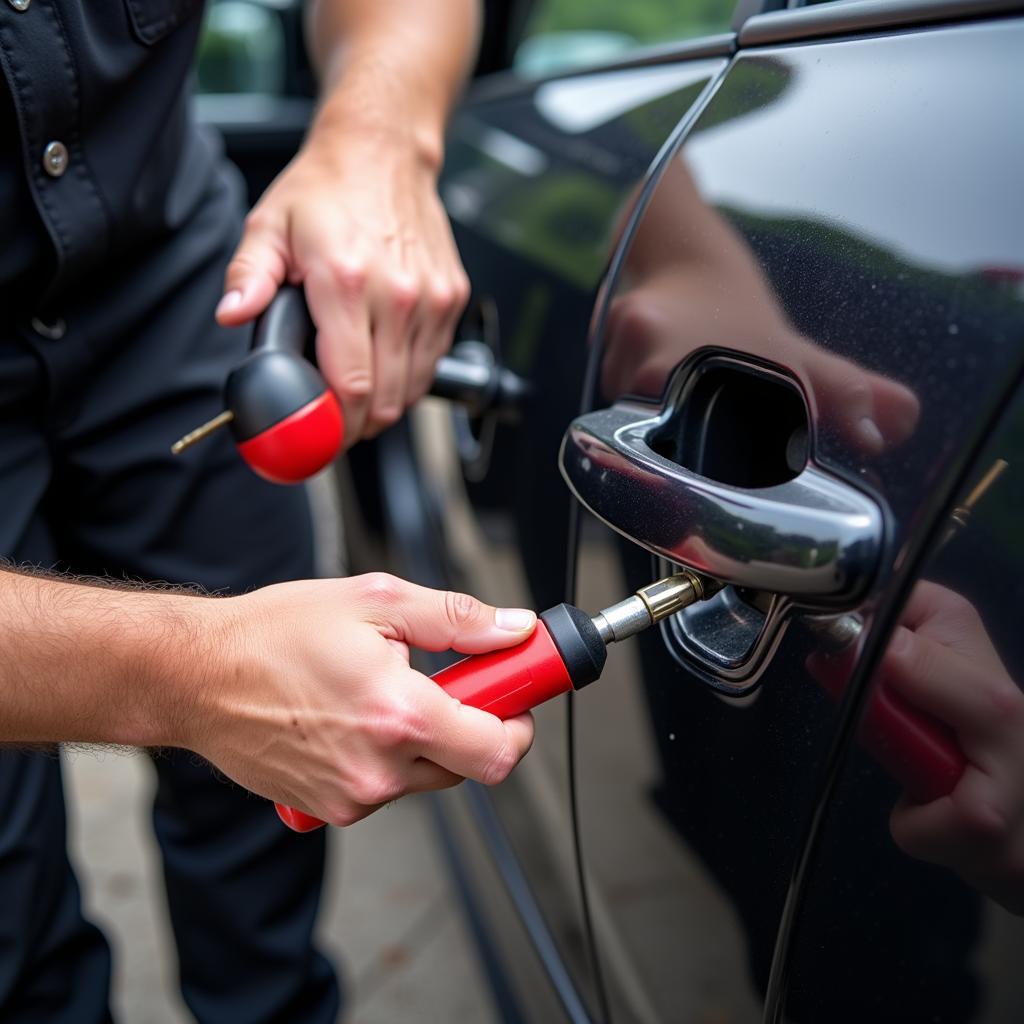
(391, 918)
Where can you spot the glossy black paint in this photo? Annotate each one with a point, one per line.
(849, 212)
(799, 224)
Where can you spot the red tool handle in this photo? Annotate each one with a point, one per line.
(915, 748)
(505, 683)
(918, 750)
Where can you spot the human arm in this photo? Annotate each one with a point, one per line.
(300, 692)
(356, 217)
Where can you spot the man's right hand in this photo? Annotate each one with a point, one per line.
(311, 700)
(301, 692)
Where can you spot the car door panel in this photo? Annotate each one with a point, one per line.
(846, 213)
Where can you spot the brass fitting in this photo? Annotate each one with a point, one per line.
(651, 604)
(668, 596)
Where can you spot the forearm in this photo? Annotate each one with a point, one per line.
(392, 67)
(82, 663)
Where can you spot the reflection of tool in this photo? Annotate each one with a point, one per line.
(918, 750)
(566, 651)
(288, 424)
(961, 515)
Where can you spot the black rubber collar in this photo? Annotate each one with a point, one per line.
(578, 642)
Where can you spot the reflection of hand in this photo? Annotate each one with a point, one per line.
(309, 699)
(941, 660)
(690, 281)
(357, 220)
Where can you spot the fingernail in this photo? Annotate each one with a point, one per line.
(870, 434)
(515, 620)
(229, 303)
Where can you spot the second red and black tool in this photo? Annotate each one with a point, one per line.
(567, 651)
(286, 422)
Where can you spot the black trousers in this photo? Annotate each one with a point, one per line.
(88, 484)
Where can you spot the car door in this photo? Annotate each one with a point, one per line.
(803, 370)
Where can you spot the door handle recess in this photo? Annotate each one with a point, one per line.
(814, 538)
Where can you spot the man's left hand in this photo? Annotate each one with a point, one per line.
(357, 221)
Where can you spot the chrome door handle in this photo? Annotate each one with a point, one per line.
(814, 538)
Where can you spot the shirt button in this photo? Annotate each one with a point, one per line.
(55, 159)
(20, 5)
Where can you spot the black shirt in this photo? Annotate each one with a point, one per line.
(99, 155)
(22, 237)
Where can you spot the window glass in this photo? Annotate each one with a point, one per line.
(563, 34)
(242, 48)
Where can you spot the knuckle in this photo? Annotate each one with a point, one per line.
(637, 322)
(983, 823)
(500, 765)
(256, 219)
(399, 724)
(958, 618)
(1007, 704)
(355, 384)
(349, 276)
(373, 788)
(418, 388)
(855, 389)
(909, 660)
(379, 588)
(440, 298)
(461, 609)
(384, 415)
(462, 290)
(344, 816)
(402, 292)
(958, 605)
(242, 263)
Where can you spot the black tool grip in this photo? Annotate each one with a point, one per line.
(285, 325)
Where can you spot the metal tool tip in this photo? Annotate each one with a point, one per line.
(199, 433)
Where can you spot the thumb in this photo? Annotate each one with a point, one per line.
(439, 620)
(254, 274)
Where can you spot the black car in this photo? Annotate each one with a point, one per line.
(767, 291)
(762, 291)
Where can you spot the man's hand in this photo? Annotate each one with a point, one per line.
(314, 704)
(356, 219)
(941, 660)
(301, 692)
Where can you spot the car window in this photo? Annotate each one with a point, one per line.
(243, 48)
(563, 34)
